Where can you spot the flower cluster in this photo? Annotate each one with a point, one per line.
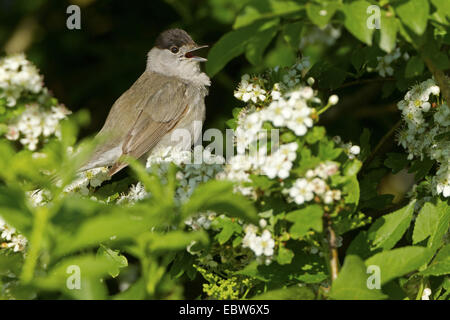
(288, 110)
(9, 238)
(135, 193)
(18, 77)
(423, 135)
(201, 220)
(193, 168)
(315, 35)
(384, 63)
(36, 124)
(352, 150)
(315, 184)
(262, 246)
(87, 180)
(251, 89)
(32, 116)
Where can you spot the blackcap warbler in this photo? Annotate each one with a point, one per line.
(169, 95)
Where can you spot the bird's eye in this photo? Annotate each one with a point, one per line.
(174, 49)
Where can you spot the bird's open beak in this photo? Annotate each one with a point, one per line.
(190, 54)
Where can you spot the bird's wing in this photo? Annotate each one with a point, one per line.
(159, 113)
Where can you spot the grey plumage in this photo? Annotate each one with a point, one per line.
(169, 95)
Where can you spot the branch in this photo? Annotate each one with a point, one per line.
(380, 144)
(332, 248)
(363, 81)
(440, 78)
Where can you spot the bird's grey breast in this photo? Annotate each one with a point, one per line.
(189, 128)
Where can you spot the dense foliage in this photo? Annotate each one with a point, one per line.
(297, 212)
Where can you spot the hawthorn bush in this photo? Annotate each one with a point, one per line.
(294, 213)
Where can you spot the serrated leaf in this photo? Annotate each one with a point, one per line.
(433, 221)
(387, 230)
(398, 262)
(351, 284)
(356, 20)
(396, 161)
(315, 135)
(414, 14)
(228, 229)
(118, 261)
(420, 168)
(305, 219)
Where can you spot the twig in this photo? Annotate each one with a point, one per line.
(380, 144)
(358, 82)
(440, 78)
(332, 248)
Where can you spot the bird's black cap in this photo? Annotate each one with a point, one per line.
(173, 37)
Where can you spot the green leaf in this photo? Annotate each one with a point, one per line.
(388, 31)
(14, 209)
(264, 9)
(358, 58)
(289, 293)
(387, 230)
(360, 246)
(135, 292)
(218, 196)
(364, 142)
(176, 240)
(321, 13)
(356, 20)
(414, 67)
(396, 161)
(351, 284)
(414, 14)
(91, 270)
(433, 221)
(259, 42)
(328, 75)
(351, 168)
(101, 228)
(420, 168)
(233, 44)
(440, 264)
(442, 6)
(284, 256)
(305, 219)
(118, 261)
(315, 135)
(228, 229)
(291, 34)
(10, 264)
(398, 262)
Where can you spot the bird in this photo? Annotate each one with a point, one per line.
(169, 95)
